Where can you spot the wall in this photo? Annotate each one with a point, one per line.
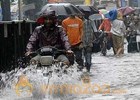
(134, 3)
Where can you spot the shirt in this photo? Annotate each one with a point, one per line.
(88, 36)
(118, 27)
(106, 26)
(74, 29)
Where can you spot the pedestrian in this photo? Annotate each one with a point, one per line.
(135, 24)
(48, 34)
(87, 40)
(106, 27)
(133, 34)
(73, 26)
(118, 30)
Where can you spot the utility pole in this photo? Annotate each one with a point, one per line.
(5, 5)
(19, 9)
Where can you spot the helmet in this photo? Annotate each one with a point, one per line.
(47, 18)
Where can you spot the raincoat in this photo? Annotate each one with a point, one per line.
(41, 37)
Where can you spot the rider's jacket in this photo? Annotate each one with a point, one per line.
(41, 37)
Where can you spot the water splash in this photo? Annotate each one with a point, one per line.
(41, 81)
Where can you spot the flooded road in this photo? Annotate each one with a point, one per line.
(111, 78)
(121, 74)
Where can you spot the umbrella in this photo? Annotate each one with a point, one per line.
(95, 17)
(103, 11)
(112, 14)
(61, 9)
(126, 10)
(102, 6)
(84, 8)
(96, 20)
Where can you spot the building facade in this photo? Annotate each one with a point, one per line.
(134, 3)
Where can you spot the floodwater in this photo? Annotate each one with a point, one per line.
(111, 78)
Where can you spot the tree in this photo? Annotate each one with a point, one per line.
(5, 5)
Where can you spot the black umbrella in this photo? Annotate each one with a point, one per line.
(61, 9)
(84, 8)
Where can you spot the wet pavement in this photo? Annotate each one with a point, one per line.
(120, 75)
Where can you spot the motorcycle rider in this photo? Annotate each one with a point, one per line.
(48, 34)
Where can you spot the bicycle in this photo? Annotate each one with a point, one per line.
(102, 38)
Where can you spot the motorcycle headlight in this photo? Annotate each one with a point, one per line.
(46, 60)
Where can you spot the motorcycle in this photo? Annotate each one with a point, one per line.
(102, 39)
(46, 58)
(47, 71)
(45, 78)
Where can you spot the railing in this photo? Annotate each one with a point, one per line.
(13, 39)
